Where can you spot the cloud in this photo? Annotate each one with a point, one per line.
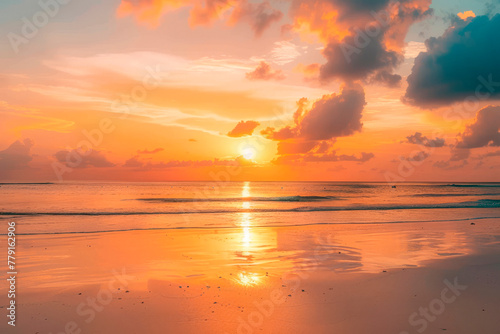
(282, 134)
(243, 128)
(419, 139)
(150, 11)
(77, 158)
(457, 160)
(207, 11)
(465, 15)
(463, 63)
(459, 154)
(144, 165)
(316, 127)
(310, 71)
(489, 155)
(354, 7)
(484, 131)
(364, 40)
(17, 155)
(418, 156)
(295, 147)
(332, 116)
(298, 159)
(447, 165)
(387, 78)
(260, 16)
(335, 115)
(265, 72)
(134, 162)
(364, 157)
(146, 151)
(348, 62)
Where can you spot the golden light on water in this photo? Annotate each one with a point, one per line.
(248, 279)
(245, 192)
(247, 240)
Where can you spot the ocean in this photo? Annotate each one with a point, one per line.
(95, 207)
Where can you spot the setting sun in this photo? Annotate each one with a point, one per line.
(248, 153)
(250, 166)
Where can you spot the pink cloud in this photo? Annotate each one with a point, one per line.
(265, 72)
(243, 129)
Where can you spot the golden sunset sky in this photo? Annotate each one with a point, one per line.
(173, 90)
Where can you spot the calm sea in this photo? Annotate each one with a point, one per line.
(102, 207)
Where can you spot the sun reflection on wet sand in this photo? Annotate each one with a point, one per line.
(248, 249)
(248, 279)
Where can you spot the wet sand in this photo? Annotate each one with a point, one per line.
(369, 278)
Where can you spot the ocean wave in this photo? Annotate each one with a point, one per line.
(484, 185)
(24, 183)
(226, 227)
(450, 195)
(483, 203)
(243, 199)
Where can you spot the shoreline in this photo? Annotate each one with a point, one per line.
(217, 281)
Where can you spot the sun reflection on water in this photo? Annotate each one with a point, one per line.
(248, 279)
(247, 240)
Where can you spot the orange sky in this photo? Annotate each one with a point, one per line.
(165, 90)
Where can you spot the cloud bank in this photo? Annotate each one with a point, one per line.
(462, 63)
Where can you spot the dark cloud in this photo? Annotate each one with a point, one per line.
(146, 151)
(282, 134)
(447, 165)
(134, 162)
(17, 155)
(77, 158)
(335, 115)
(419, 139)
(265, 72)
(386, 78)
(364, 40)
(316, 127)
(359, 6)
(484, 131)
(301, 159)
(463, 63)
(332, 116)
(260, 16)
(489, 155)
(457, 160)
(343, 157)
(348, 61)
(418, 156)
(243, 129)
(295, 147)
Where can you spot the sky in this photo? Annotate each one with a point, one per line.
(243, 90)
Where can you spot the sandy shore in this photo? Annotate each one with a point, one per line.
(370, 278)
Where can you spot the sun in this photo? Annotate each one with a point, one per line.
(248, 153)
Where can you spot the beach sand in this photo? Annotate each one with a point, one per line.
(365, 278)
